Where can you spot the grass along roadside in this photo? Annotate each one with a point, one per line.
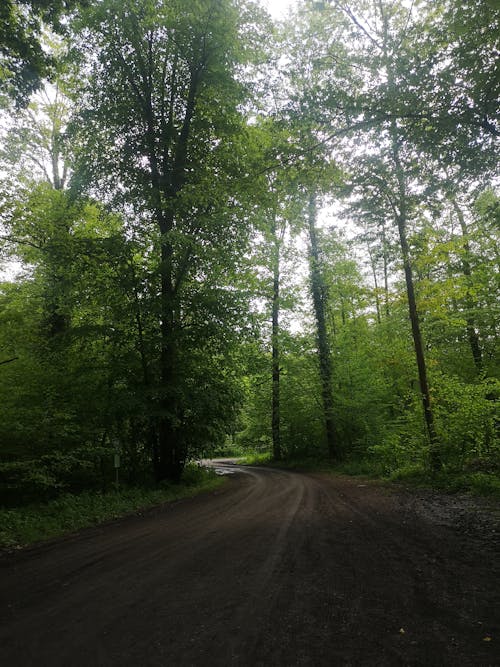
(22, 526)
(476, 483)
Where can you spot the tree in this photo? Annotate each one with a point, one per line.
(159, 194)
(24, 62)
(277, 239)
(320, 304)
(160, 119)
(383, 109)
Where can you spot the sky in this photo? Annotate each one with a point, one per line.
(277, 8)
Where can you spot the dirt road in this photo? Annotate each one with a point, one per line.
(277, 568)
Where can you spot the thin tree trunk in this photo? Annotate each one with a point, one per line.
(435, 458)
(318, 289)
(8, 361)
(386, 272)
(472, 335)
(276, 436)
(401, 215)
(374, 273)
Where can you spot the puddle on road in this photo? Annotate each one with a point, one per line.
(218, 467)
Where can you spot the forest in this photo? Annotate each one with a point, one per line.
(224, 233)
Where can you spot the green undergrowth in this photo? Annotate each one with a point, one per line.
(68, 513)
(229, 451)
(476, 483)
(258, 459)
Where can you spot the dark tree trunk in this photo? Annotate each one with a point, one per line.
(275, 419)
(170, 462)
(401, 214)
(151, 432)
(401, 218)
(171, 454)
(386, 272)
(171, 458)
(318, 289)
(419, 348)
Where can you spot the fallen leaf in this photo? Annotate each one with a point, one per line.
(402, 631)
(486, 639)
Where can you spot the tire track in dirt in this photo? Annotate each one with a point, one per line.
(276, 569)
(427, 597)
(267, 579)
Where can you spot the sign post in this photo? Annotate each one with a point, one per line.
(117, 468)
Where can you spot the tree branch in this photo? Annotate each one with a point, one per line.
(357, 23)
(8, 361)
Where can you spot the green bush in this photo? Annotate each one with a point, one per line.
(27, 480)
(20, 526)
(40, 479)
(468, 420)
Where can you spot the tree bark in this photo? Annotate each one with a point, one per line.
(151, 434)
(318, 289)
(375, 280)
(401, 219)
(171, 446)
(401, 216)
(170, 462)
(275, 409)
(386, 271)
(472, 335)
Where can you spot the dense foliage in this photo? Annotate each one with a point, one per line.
(222, 231)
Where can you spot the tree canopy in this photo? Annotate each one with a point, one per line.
(229, 232)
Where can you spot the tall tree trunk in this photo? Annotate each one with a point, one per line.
(401, 215)
(276, 436)
(386, 271)
(170, 459)
(472, 335)
(318, 289)
(151, 426)
(375, 280)
(401, 219)
(172, 452)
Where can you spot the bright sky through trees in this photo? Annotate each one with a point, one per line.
(277, 8)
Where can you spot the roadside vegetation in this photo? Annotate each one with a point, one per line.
(67, 513)
(475, 483)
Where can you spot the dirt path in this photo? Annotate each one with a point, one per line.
(278, 568)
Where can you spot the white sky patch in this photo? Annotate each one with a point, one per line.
(277, 8)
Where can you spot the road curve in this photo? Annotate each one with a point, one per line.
(277, 568)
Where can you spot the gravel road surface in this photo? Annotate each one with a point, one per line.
(276, 568)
